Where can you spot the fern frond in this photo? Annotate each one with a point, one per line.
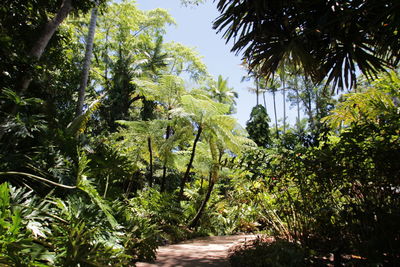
(361, 107)
(86, 186)
(78, 125)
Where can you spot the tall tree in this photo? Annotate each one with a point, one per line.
(129, 45)
(86, 62)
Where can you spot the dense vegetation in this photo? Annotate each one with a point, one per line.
(113, 142)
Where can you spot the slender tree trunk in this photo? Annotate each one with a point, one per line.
(310, 115)
(298, 108)
(164, 175)
(189, 166)
(216, 155)
(265, 102)
(308, 103)
(86, 62)
(195, 220)
(276, 117)
(151, 162)
(106, 59)
(296, 88)
(257, 91)
(106, 188)
(284, 105)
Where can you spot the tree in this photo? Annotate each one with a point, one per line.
(202, 111)
(30, 34)
(223, 141)
(222, 93)
(326, 39)
(252, 74)
(257, 126)
(316, 101)
(167, 91)
(86, 62)
(46, 31)
(129, 45)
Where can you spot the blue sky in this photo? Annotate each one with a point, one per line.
(194, 29)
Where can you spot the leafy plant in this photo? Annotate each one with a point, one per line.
(24, 225)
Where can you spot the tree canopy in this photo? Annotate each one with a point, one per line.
(326, 39)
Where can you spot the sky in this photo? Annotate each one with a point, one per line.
(194, 29)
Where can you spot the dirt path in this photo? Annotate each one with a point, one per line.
(199, 252)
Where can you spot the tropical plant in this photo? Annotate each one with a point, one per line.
(257, 126)
(325, 39)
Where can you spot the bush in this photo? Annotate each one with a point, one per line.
(263, 252)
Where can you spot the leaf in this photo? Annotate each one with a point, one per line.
(78, 125)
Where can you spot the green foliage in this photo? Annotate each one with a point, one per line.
(78, 125)
(85, 239)
(220, 92)
(21, 229)
(159, 162)
(372, 106)
(267, 253)
(257, 126)
(161, 210)
(326, 40)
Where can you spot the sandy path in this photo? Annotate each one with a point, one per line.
(199, 252)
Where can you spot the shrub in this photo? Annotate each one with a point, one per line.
(263, 252)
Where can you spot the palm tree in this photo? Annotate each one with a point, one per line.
(351, 36)
(282, 76)
(222, 93)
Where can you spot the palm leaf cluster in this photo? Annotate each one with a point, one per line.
(327, 39)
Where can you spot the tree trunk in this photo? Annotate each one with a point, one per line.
(265, 102)
(257, 91)
(310, 114)
(195, 220)
(296, 88)
(284, 105)
(298, 108)
(38, 49)
(189, 166)
(86, 62)
(164, 175)
(106, 60)
(276, 117)
(151, 162)
(48, 31)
